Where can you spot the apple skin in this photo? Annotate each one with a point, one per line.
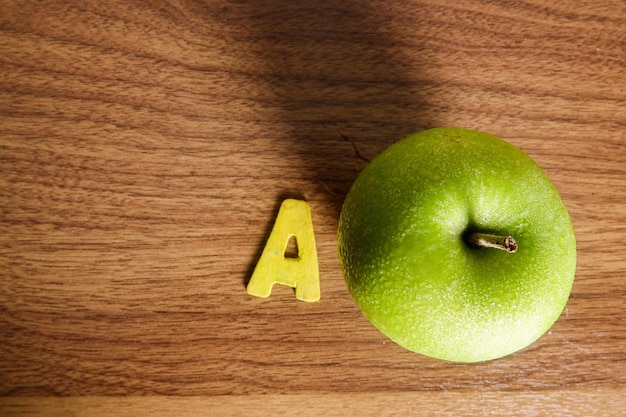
(408, 266)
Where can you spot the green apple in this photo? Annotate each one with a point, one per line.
(456, 245)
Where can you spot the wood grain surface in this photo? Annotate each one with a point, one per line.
(145, 147)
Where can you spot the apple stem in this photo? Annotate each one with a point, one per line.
(486, 240)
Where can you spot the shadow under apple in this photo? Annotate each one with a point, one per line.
(341, 81)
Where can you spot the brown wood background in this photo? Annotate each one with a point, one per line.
(145, 147)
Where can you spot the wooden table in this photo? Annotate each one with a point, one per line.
(145, 148)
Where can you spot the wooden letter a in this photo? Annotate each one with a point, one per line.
(298, 270)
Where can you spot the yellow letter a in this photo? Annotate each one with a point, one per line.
(300, 272)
